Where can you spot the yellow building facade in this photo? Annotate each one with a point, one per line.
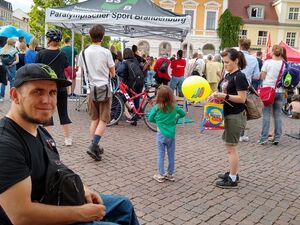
(203, 37)
(285, 28)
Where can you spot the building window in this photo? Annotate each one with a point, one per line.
(211, 20)
(165, 47)
(293, 13)
(243, 34)
(256, 12)
(144, 47)
(262, 37)
(191, 13)
(290, 38)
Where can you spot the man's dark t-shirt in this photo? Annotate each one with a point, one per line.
(233, 83)
(21, 155)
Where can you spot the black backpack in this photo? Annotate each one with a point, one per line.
(62, 185)
(136, 75)
(7, 59)
(163, 66)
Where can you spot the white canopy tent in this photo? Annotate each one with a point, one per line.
(127, 18)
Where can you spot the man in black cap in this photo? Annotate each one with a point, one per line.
(25, 161)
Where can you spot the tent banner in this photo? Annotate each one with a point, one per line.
(117, 18)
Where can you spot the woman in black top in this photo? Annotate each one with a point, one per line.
(233, 90)
(57, 60)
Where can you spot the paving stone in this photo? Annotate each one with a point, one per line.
(129, 162)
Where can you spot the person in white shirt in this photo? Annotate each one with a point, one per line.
(100, 66)
(269, 74)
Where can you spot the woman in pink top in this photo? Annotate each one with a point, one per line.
(178, 67)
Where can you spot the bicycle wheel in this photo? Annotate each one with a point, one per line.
(117, 109)
(147, 109)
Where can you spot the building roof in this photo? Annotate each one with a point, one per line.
(6, 5)
(242, 10)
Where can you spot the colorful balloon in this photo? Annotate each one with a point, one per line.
(196, 88)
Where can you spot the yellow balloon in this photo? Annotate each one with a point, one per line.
(195, 88)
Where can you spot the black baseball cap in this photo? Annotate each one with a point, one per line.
(38, 71)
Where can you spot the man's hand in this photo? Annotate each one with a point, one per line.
(91, 212)
(92, 197)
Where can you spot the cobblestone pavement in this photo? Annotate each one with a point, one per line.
(269, 188)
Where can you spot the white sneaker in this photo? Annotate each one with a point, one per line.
(68, 141)
(159, 178)
(244, 138)
(1, 99)
(169, 177)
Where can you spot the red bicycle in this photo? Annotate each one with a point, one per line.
(147, 101)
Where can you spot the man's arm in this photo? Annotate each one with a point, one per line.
(17, 204)
(112, 71)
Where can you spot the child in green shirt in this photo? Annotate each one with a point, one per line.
(165, 114)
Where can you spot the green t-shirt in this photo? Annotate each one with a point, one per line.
(68, 51)
(166, 121)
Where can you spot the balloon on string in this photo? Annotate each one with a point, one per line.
(196, 88)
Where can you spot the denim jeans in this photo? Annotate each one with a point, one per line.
(11, 73)
(149, 77)
(276, 107)
(164, 143)
(177, 81)
(119, 210)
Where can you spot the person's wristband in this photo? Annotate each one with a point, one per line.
(227, 97)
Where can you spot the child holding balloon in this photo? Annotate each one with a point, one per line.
(165, 114)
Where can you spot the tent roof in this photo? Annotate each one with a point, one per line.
(129, 18)
(292, 54)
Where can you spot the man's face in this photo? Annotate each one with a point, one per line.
(36, 101)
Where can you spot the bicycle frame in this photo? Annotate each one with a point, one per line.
(145, 97)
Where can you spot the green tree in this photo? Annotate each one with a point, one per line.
(228, 29)
(37, 14)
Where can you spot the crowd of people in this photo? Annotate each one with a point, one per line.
(41, 81)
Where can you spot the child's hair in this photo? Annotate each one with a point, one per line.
(296, 98)
(165, 98)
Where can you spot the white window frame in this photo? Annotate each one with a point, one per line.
(241, 35)
(162, 4)
(289, 40)
(207, 9)
(251, 7)
(293, 13)
(262, 40)
(185, 8)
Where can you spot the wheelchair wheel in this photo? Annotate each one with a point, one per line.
(117, 109)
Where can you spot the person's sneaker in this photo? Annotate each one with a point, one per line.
(226, 175)
(227, 183)
(261, 142)
(244, 138)
(275, 142)
(95, 152)
(1, 99)
(159, 178)
(68, 141)
(170, 177)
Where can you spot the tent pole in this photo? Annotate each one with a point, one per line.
(82, 41)
(72, 63)
(45, 38)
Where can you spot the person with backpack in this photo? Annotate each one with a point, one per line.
(161, 70)
(10, 58)
(57, 60)
(133, 76)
